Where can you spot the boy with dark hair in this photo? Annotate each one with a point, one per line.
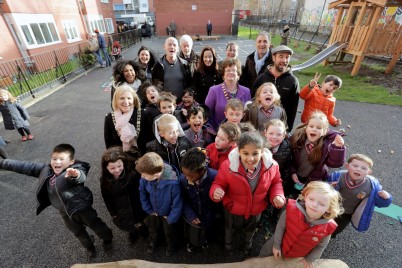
(160, 198)
(61, 184)
(199, 134)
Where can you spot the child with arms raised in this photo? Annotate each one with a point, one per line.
(61, 184)
(119, 186)
(161, 200)
(199, 134)
(360, 193)
(246, 182)
(266, 106)
(314, 149)
(321, 98)
(198, 209)
(225, 141)
(305, 227)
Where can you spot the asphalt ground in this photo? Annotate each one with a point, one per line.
(75, 114)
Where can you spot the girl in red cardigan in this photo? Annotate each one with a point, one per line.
(305, 227)
(246, 182)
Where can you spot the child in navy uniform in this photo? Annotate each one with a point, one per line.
(161, 199)
(198, 209)
(61, 184)
(360, 193)
(199, 133)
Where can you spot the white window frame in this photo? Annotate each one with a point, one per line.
(105, 1)
(36, 30)
(109, 25)
(96, 22)
(71, 30)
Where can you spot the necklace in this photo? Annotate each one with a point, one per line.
(137, 127)
(227, 93)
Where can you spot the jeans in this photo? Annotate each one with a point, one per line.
(105, 55)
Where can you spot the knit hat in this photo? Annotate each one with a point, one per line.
(282, 48)
(96, 31)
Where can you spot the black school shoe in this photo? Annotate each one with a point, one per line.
(107, 244)
(169, 251)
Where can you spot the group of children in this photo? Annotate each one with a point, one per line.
(193, 172)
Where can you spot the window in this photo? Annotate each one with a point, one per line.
(109, 26)
(71, 30)
(36, 29)
(96, 22)
(105, 1)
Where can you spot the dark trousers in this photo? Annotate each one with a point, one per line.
(197, 235)
(342, 221)
(209, 32)
(235, 222)
(88, 218)
(3, 152)
(155, 224)
(24, 130)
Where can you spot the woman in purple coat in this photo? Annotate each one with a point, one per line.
(219, 95)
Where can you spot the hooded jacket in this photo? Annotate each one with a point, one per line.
(361, 217)
(74, 196)
(238, 198)
(332, 156)
(315, 100)
(216, 158)
(288, 88)
(162, 196)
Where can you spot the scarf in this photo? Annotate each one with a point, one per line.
(259, 62)
(126, 131)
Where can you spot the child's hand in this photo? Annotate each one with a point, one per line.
(334, 183)
(278, 201)
(384, 194)
(196, 221)
(306, 264)
(72, 172)
(218, 194)
(295, 178)
(338, 122)
(338, 142)
(314, 81)
(277, 252)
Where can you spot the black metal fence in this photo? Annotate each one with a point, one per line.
(26, 76)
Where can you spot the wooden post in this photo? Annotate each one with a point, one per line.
(395, 58)
(337, 22)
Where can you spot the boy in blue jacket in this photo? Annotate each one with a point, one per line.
(61, 184)
(160, 199)
(360, 193)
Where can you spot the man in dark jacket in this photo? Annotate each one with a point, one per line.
(280, 74)
(187, 52)
(257, 62)
(171, 71)
(102, 47)
(61, 184)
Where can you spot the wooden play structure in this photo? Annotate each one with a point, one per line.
(357, 24)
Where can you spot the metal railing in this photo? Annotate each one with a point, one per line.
(26, 76)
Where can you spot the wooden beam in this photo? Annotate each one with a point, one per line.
(337, 3)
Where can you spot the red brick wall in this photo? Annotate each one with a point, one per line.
(194, 22)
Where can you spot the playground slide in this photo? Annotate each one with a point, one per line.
(335, 47)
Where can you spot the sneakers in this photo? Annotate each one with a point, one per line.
(24, 138)
(30, 137)
(191, 248)
(151, 248)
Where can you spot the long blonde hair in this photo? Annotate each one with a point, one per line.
(334, 197)
(119, 91)
(11, 98)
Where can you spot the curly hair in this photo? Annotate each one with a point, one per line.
(118, 71)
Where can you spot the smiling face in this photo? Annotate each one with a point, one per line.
(187, 100)
(3, 96)
(129, 74)
(267, 96)
(328, 88)
(170, 133)
(196, 122)
(115, 168)
(358, 169)
(316, 205)
(232, 51)
(60, 161)
(315, 129)
(222, 141)
(275, 135)
(262, 44)
(171, 48)
(230, 74)
(250, 156)
(208, 58)
(281, 61)
(144, 56)
(152, 94)
(125, 102)
(234, 116)
(166, 107)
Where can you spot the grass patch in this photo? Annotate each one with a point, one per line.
(358, 88)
